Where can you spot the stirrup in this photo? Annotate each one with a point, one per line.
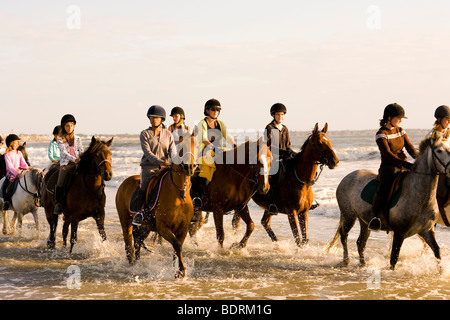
(375, 224)
(197, 202)
(273, 209)
(138, 219)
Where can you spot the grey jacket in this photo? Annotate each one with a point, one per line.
(156, 151)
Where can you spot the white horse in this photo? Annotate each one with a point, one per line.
(24, 200)
(416, 212)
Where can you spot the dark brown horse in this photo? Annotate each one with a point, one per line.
(293, 185)
(85, 194)
(233, 185)
(170, 215)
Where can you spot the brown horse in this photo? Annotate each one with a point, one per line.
(293, 185)
(233, 185)
(170, 215)
(85, 194)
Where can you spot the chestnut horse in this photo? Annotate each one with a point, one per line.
(233, 185)
(294, 184)
(85, 194)
(170, 215)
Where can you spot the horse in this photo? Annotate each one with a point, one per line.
(294, 184)
(25, 199)
(233, 185)
(172, 211)
(415, 212)
(85, 194)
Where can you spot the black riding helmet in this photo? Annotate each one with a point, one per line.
(157, 111)
(67, 118)
(394, 110)
(10, 138)
(212, 103)
(278, 107)
(178, 110)
(442, 112)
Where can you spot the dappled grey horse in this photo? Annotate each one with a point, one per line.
(416, 211)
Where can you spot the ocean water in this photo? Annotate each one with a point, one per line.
(263, 270)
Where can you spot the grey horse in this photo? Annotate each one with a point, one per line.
(416, 211)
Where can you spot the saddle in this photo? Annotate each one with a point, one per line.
(51, 179)
(369, 191)
(152, 194)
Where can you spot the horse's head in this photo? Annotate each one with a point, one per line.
(101, 155)
(186, 152)
(439, 157)
(23, 150)
(321, 147)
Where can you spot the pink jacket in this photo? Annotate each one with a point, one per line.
(14, 162)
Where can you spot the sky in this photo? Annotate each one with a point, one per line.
(107, 62)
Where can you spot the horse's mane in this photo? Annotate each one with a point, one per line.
(426, 142)
(84, 166)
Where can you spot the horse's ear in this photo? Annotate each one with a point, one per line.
(316, 128)
(93, 139)
(24, 144)
(325, 128)
(109, 142)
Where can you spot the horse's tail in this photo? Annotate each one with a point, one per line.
(332, 244)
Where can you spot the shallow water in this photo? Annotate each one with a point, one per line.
(263, 270)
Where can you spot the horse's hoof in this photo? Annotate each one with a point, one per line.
(237, 246)
(180, 274)
(343, 263)
(50, 245)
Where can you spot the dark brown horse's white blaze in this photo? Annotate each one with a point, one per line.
(294, 187)
(233, 185)
(173, 212)
(85, 197)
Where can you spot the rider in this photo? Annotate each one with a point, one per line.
(158, 146)
(15, 164)
(70, 149)
(178, 128)
(210, 133)
(53, 149)
(277, 136)
(391, 139)
(441, 129)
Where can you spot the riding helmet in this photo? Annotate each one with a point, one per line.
(212, 103)
(67, 118)
(157, 111)
(442, 112)
(178, 110)
(10, 138)
(278, 107)
(394, 110)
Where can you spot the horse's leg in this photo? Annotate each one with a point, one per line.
(53, 222)
(245, 215)
(292, 217)
(303, 222)
(218, 221)
(167, 234)
(73, 233)
(6, 226)
(65, 231)
(139, 235)
(346, 223)
(265, 221)
(430, 239)
(396, 246)
(13, 223)
(127, 231)
(36, 219)
(236, 220)
(362, 241)
(100, 221)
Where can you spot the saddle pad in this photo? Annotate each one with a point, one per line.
(369, 191)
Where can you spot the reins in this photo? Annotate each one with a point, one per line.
(36, 196)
